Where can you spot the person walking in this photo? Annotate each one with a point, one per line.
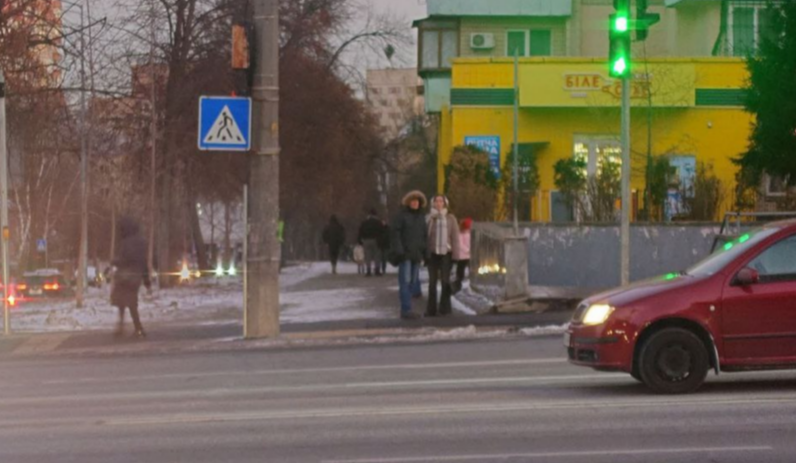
(370, 231)
(463, 258)
(443, 244)
(408, 238)
(334, 237)
(131, 272)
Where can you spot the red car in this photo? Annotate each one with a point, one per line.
(734, 311)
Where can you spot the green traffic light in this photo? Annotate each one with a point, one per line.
(621, 24)
(620, 66)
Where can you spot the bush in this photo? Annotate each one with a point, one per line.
(593, 198)
(709, 194)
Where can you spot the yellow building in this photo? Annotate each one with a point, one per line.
(687, 96)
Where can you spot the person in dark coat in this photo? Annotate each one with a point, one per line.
(370, 232)
(131, 272)
(334, 237)
(408, 237)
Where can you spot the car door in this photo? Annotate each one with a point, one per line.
(758, 320)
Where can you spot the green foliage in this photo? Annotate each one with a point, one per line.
(771, 97)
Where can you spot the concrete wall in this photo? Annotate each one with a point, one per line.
(589, 256)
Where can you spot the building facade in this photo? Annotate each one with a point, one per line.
(687, 87)
(393, 97)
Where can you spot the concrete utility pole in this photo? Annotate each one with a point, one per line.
(625, 220)
(4, 203)
(262, 291)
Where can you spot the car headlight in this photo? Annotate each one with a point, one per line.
(597, 314)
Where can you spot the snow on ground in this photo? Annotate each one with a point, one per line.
(203, 303)
(334, 305)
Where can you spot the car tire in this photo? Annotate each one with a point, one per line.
(673, 361)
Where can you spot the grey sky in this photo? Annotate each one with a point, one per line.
(403, 12)
(411, 9)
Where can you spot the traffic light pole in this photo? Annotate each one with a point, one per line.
(4, 205)
(263, 259)
(625, 221)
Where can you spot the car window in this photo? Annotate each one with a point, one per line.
(730, 252)
(776, 263)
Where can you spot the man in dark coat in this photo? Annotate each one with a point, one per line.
(131, 272)
(408, 237)
(334, 237)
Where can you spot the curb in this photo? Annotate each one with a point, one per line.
(48, 345)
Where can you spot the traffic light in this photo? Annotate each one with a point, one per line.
(644, 20)
(620, 40)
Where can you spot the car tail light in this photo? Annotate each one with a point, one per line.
(21, 287)
(52, 287)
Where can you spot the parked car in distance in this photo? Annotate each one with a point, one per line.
(45, 283)
(734, 311)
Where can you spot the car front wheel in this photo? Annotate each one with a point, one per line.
(673, 361)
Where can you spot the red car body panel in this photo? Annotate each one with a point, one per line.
(750, 327)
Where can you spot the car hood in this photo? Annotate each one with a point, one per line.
(628, 295)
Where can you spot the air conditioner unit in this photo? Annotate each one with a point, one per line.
(482, 41)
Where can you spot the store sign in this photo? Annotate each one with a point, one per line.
(555, 85)
(490, 145)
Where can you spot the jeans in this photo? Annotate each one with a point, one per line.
(439, 270)
(409, 276)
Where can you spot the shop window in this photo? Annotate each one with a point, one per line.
(775, 185)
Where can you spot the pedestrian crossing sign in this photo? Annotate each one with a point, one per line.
(225, 123)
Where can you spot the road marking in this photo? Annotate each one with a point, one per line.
(381, 412)
(426, 410)
(419, 366)
(224, 392)
(586, 454)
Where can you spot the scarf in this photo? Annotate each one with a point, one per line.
(438, 225)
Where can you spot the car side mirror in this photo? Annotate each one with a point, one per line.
(747, 277)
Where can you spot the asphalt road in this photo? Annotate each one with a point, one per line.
(496, 401)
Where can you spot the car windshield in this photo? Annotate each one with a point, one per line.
(729, 252)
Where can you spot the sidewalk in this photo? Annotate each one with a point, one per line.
(316, 309)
